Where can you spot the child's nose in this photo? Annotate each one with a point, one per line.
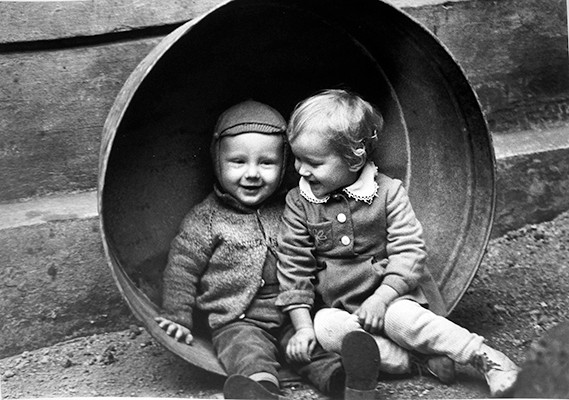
(301, 168)
(252, 171)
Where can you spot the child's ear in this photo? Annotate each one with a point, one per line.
(357, 166)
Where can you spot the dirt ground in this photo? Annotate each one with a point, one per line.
(519, 293)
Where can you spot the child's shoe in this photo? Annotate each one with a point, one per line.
(242, 387)
(499, 371)
(439, 366)
(361, 359)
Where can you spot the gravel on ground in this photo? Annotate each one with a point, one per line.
(518, 294)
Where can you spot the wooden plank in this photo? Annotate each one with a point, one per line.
(54, 100)
(34, 21)
(48, 209)
(514, 53)
(53, 105)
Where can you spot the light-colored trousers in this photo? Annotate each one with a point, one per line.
(407, 326)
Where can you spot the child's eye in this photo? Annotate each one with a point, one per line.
(308, 163)
(311, 164)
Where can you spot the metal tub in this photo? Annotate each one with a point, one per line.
(154, 161)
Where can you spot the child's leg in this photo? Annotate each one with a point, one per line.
(332, 325)
(414, 327)
(324, 370)
(250, 352)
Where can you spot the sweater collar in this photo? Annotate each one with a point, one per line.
(363, 189)
(231, 201)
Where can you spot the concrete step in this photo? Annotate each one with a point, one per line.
(55, 282)
(532, 180)
(54, 279)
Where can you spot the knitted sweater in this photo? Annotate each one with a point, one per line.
(216, 260)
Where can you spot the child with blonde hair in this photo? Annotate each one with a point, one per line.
(352, 259)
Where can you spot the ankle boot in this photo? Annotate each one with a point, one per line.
(438, 366)
(361, 360)
(499, 371)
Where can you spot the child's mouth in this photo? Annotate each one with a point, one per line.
(251, 188)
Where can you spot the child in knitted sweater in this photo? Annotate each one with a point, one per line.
(223, 260)
(352, 259)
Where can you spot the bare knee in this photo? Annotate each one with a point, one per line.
(331, 325)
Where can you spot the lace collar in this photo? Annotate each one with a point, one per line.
(364, 189)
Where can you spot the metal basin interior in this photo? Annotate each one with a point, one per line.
(154, 163)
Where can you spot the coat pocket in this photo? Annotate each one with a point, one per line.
(322, 234)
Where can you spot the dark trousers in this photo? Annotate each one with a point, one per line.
(245, 348)
(324, 371)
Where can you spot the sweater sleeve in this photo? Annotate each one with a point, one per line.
(189, 254)
(405, 246)
(297, 265)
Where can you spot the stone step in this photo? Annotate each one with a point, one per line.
(532, 180)
(55, 278)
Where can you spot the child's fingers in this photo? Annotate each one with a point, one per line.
(288, 352)
(380, 325)
(162, 322)
(179, 334)
(175, 330)
(300, 352)
(370, 323)
(292, 352)
(307, 349)
(375, 326)
(172, 329)
(365, 320)
(373, 323)
(311, 347)
(297, 351)
(189, 339)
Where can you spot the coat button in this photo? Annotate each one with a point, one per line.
(341, 218)
(345, 240)
(262, 282)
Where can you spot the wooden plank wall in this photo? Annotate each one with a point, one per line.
(514, 52)
(63, 63)
(61, 66)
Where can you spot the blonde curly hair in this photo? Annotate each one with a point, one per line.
(350, 123)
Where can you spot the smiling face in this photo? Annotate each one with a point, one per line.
(251, 166)
(320, 164)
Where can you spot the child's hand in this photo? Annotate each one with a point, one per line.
(301, 345)
(371, 313)
(177, 331)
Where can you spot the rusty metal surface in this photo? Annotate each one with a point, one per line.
(154, 163)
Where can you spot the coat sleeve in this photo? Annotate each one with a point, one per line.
(297, 265)
(189, 254)
(405, 245)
